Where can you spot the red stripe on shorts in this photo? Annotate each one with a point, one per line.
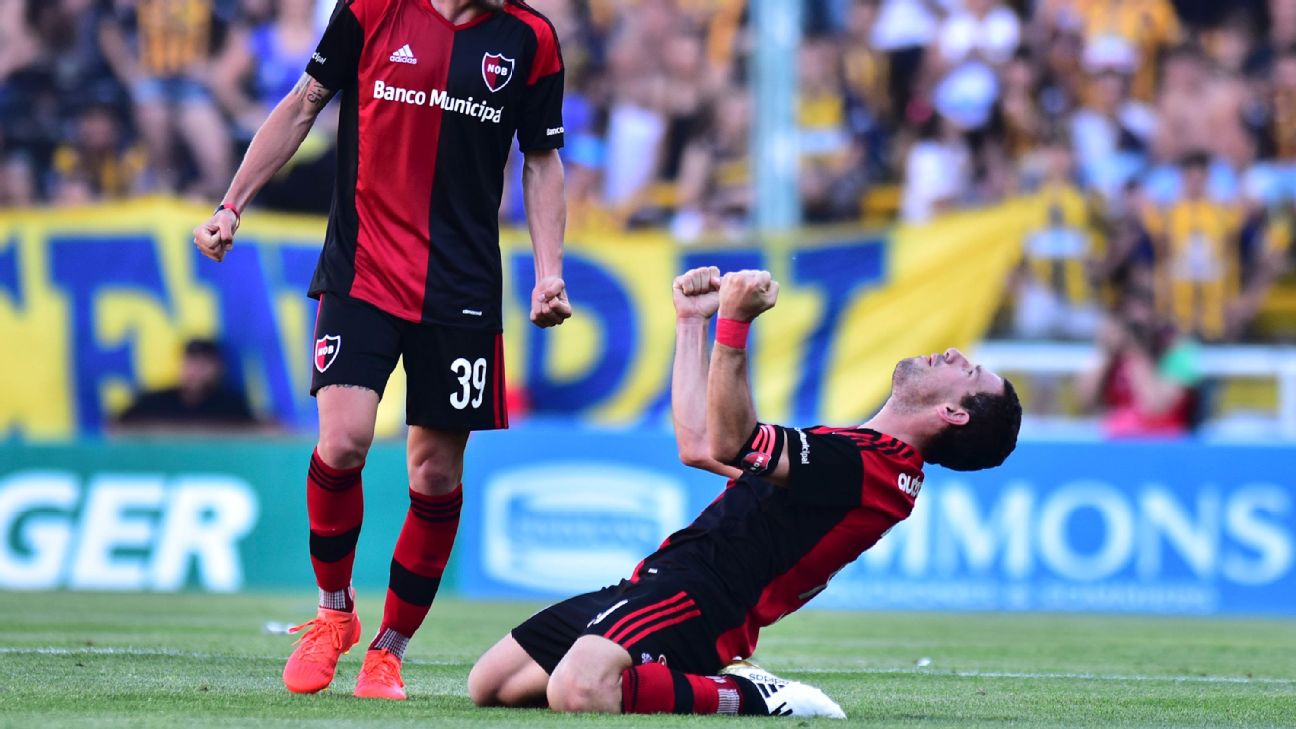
(659, 626)
(648, 620)
(655, 606)
(500, 387)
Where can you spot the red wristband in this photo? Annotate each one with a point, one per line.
(226, 206)
(732, 333)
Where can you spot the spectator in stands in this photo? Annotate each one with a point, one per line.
(18, 44)
(98, 164)
(636, 126)
(29, 109)
(973, 42)
(938, 171)
(832, 160)
(1111, 134)
(1149, 27)
(254, 13)
(1267, 247)
(1199, 108)
(162, 50)
(72, 64)
(1147, 383)
(262, 61)
(866, 68)
(903, 30)
(1057, 294)
(1196, 241)
(1229, 45)
(1283, 109)
(201, 400)
(685, 102)
(1273, 180)
(1057, 54)
(1019, 119)
(682, 93)
(17, 182)
(715, 176)
(866, 76)
(1280, 35)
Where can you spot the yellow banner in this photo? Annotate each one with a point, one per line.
(95, 305)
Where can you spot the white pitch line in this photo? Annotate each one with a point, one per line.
(1170, 678)
(1033, 676)
(101, 650)
(165, 653)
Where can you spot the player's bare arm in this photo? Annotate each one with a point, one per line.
(731, 413)
(697, 296)
(546, 206)
(274, 144)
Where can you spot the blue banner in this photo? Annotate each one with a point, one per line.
(552, 510)
(1122, 527)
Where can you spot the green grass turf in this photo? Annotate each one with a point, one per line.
(106, 660)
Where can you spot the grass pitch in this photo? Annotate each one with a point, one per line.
(108, 660)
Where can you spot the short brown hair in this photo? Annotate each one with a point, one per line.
(988, 437)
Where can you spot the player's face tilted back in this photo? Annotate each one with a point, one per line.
(928, 379)
(980, 409)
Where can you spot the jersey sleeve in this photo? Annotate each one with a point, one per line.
(541, 124)
(825, 469)
(336, 61)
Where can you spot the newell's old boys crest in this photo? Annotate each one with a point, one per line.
(496, 71)
(326, 350)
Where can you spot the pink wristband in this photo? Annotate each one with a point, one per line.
(226, 206)
(732, 333)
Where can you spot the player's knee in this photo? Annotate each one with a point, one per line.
(563, 694)
(484, 684)
(342, 448)
(434, 476)
(570, 692)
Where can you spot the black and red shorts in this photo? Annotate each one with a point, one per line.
(655, 620)
(454, 376)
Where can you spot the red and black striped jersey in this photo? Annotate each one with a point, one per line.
(429, 110)
(771, 549)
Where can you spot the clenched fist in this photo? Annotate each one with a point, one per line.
(697, 293)
(215, 237)
(745, 295)
(549, 304)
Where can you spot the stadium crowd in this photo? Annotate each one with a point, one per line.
(1162, 133)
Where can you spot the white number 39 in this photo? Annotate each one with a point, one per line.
(472, 376)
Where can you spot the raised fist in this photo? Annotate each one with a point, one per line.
(697, 293)
(745, 295)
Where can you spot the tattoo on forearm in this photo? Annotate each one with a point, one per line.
(316, 95)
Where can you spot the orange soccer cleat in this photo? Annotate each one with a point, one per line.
(380, 677)
(313, 662)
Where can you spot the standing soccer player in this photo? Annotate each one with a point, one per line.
(433, 92)
(800, 505)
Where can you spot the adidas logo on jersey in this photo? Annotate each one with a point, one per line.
(403, 55)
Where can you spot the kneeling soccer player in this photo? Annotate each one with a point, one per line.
(799, 505)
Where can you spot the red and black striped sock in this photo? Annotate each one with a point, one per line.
(421, 553)
(335, 506)
(653, 688)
